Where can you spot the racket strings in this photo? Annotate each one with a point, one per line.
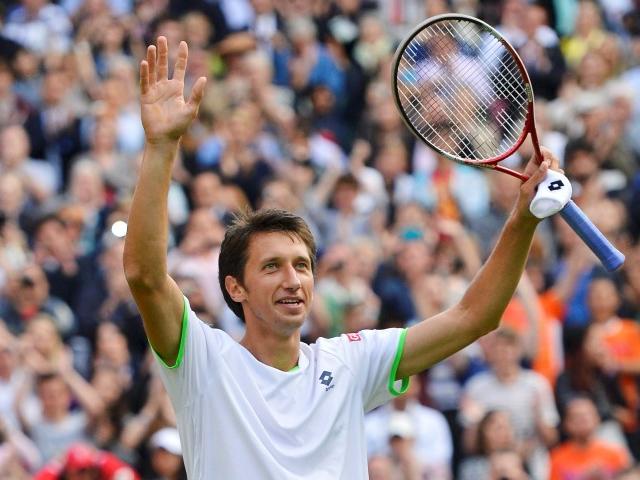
(460, 87)
(452, 108)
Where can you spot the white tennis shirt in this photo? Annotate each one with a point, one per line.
(241, 419)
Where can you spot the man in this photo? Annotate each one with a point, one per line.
(524, 394)
(432, 444)
(271, 407)
(582, 455)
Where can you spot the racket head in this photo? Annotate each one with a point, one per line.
(463, 90)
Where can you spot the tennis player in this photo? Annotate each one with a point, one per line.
(269, 406)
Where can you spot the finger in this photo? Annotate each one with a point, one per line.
(151, 63)
(163, 59)
(197, 93)
(144, 77)
(548, 155)
(181, 62)
(537, 176)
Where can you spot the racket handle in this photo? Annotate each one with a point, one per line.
(609, 255)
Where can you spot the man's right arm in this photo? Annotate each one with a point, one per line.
(165, 117)
(145, 259)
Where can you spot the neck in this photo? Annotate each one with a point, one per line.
(279, 352)
(582, 442)
(55, 416)
(507, 374)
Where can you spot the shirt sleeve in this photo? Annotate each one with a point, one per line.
(374, 356)
(198, 355)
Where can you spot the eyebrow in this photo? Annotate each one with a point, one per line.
(279, 259)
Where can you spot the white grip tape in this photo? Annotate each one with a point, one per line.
(553, 193)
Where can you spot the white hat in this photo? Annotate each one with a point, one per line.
(167, 439)
(400, 425)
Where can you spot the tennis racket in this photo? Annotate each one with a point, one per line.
(464, 91)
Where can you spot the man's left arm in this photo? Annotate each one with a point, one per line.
(482, 306)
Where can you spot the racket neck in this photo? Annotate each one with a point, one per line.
(513, 173)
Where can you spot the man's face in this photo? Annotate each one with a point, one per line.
(502, 352)
(277, 291)
(581, 419)
(54, 396)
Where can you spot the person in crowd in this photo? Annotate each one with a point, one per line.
(494, 434)
(27, 295)
(166, 455)
(525, 394)
(406, 416)
(582, 455)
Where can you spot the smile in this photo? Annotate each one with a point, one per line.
(290, 301)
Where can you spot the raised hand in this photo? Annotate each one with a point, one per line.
(165, 114)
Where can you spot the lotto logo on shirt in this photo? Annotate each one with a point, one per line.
(325, 379)
(354, 337)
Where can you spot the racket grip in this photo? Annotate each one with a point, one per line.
(609, 255)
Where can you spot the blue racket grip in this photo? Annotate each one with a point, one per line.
(609, 255)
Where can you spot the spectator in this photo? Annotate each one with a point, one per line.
(346, 303)
(507, 464)
(525, 394)
(55, 252)
(39, 177)
(11, 376)
(617, 340)
(13, 108)
(584, 376)
(197, 255)
(40, 25)
(581, 454)
(166, 455)
(54, 128)
(428, 429)
(18, 455)
(56, 427)
(27, 294)
(540, 51)
(495, 434)
(309, 63)
(587, 35)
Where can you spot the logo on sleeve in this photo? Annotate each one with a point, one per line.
(354, 337)
(325, 379)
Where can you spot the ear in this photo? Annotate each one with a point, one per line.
(235, 289)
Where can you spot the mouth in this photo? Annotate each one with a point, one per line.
(290, 301)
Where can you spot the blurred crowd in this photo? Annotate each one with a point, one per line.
(299, 114)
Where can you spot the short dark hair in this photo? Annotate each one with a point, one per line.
(235, 246)
(576, 147)
(47, 377)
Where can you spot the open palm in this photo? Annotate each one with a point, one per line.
(165, 113)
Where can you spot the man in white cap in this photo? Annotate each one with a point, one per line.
(166, 455)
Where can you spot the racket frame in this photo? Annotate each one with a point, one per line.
(610, 257)
(529, 124)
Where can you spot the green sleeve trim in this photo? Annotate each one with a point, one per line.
(183, 339)
(394, 368)
(295, 368)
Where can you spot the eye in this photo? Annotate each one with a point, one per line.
(302, 265)
(270, 266)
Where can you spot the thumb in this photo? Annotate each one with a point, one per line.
(538, 175)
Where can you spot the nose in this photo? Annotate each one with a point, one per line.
(291, 280)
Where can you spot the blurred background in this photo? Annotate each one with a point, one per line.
(299, 114)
